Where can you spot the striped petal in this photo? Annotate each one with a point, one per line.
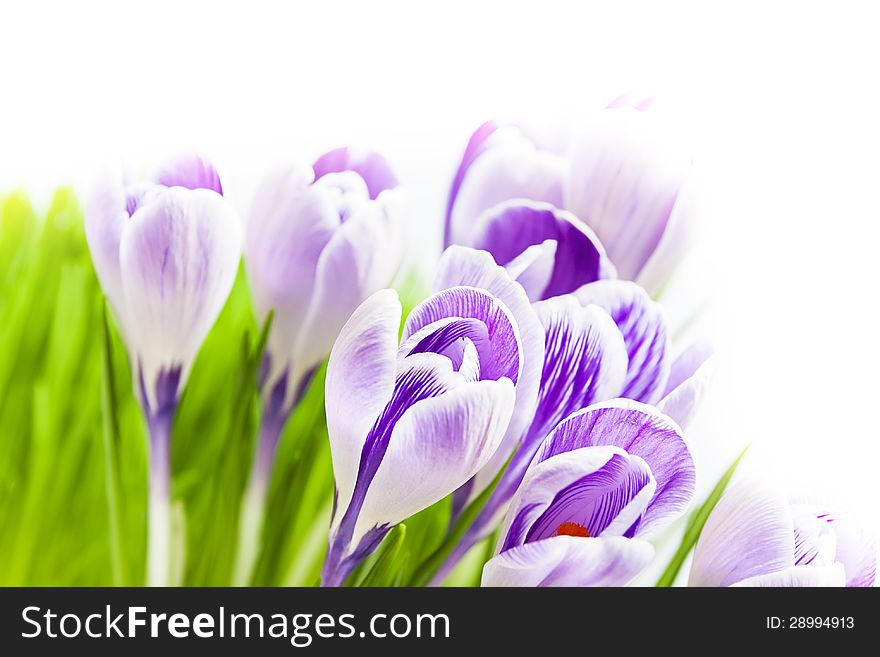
(749, 533)
(508, 230)
(584, 362)
(643, 324)
(462, 266)
(360, 381)
(501, 354)
(642, 431)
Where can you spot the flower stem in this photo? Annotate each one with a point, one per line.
(253, 503)
(159, 529)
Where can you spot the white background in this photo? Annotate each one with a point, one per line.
(779, 103)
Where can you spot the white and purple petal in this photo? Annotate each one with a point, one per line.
(369, 165)
(688, 380)
(569, 561)
(643, 324)
(190, 171)
(509, 229)
(179, 255)
(584, 362)
(749, 533)
(508, 167)
(436, 446)
(501, 351)
(798, 576)
(624, 182)
(642, 431)
(463, 266)
(360, 382)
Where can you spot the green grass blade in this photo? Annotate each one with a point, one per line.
(695, 525)
(387, 567)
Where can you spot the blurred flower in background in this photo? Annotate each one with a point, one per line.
(166, 252)
(319, 240)
(757, 537)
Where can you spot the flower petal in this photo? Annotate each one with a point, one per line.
(509, 228)
(472, 150)
(105, 218)
(624, 182)
(642, 431)
(856, 550)
(502, 356)
(749, 533)
(688, 379)
(643, 324)
(179, 255)
(290, 224)
(570, 561)
(371, 166)
(541, 485)
(360, 258)
(807, 576)
(584, 362)
(606, 502)
(360, 381)
(436, 446)
(190, 171)
(508, 167)
(462, 266)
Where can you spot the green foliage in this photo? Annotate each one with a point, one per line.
(73, 445)
(695, 525)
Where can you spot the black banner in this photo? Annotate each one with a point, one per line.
(400, 621)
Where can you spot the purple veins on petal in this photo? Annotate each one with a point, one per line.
(642, 322)
(501, 352)
(511, 228)
(594, 501)
(641, 431)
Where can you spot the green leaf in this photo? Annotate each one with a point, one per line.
(695, 525)
(111, 451)
(388, 565)
(427, 569)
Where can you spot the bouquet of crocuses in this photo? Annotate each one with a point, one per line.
(523, 423)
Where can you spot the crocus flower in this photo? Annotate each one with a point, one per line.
(166, 252)
(607, 340)
(602, 480)
(409, 424)
(757, 537)
(315, 248)
(618, 175)
(318, 242)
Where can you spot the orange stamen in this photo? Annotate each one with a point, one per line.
(572, 529)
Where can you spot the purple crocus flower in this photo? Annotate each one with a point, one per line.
(607, 340)
(757, 537)
(409, 424)
(319, 241)
(619, 176)
(166, 253)
(604, 478)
